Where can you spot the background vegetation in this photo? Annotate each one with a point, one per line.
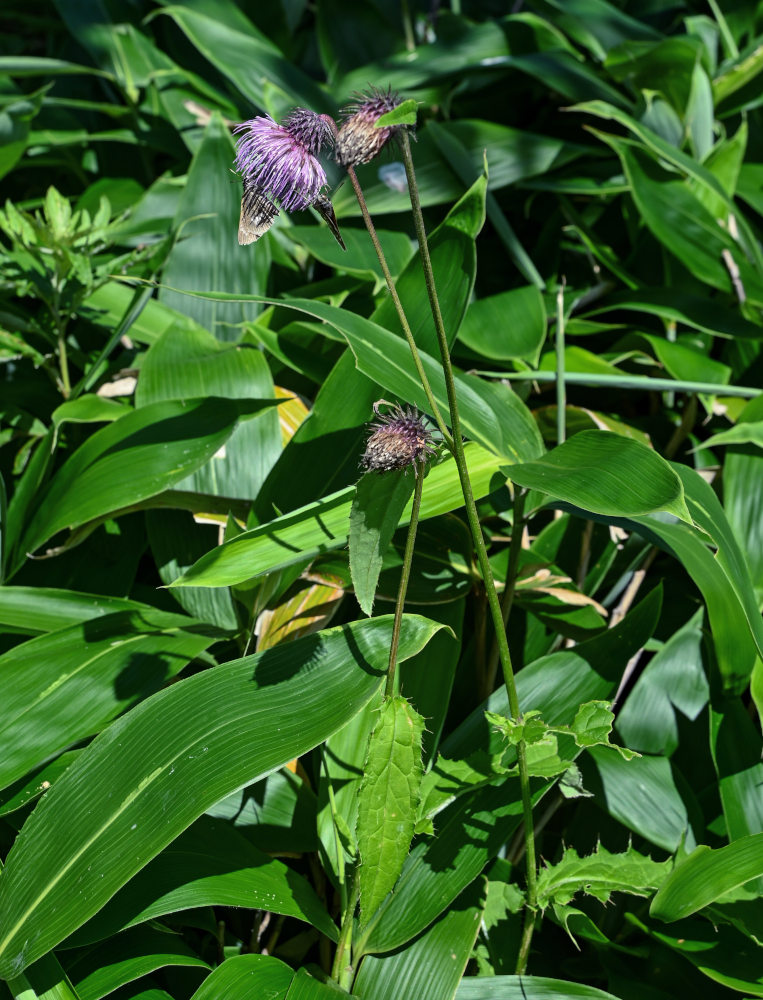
(182, 766)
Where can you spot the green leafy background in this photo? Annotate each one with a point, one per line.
(189, 556)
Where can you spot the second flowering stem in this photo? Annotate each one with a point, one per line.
(479, 544)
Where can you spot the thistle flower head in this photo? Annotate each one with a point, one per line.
(358, 141)
(280, 161)
(398, 440)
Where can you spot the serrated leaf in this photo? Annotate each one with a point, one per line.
(388, 799)
(529, 727)
(599, 875)
(593, 724)
(543, 759)
(376, 509)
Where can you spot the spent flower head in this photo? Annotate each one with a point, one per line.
(358, 140)
(280, 161)
(398, 440)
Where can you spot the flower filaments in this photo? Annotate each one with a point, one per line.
(358, 140)
(280, 161)
(397, 440)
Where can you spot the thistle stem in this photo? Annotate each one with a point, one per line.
(510, 586)
(561, 387)
(479, 544)
(434, 409)
(342, 971)
(405, 574)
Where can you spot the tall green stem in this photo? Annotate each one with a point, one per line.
(434, 409)
(342, 971)
(561, 387)
(510, 585)
(405, 574)
(479, 544)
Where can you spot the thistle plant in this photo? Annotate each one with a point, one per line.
(356, 144)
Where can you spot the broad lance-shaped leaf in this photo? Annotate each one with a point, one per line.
(606, 474)
(491, 414)
(389, 795)
(147, 777)
(247, 975)
(135, 953)
(431, 966)
(706, 875)
(210, 864)
(323, 525)
(526, 988)
(135, 457)
(376, 511)
(84, 675)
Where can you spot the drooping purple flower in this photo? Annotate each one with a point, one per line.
(280, 161)
(397, 440)
(358, 140)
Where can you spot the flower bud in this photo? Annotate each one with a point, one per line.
(358, 140)
(397, 440)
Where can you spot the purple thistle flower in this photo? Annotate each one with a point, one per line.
(397, 440)
(358, 140)
(279, 161)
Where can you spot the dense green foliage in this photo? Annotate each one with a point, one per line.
(205, 792)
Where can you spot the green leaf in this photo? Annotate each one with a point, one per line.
(210, 864)
(742, 473)
(151, 773)
(432, 966)
(45, 979)
(86, 674)
(189, 363)
(89, 409)
(129, 956)
(388, 799)
(132, 459)
(527, 988)
(593, 724)
(494, 418)
(509, 325)
(642, 794)
(322, 526)
(719, 952)
(681, 222)
(377, 508)
(403, 114)
(250, 60)
(706, 875)
(34, 610)
(599, 875)
(35, 784)
(606, 474)
(674, 681)
(750, 432)
(738, 72)
(243, 975)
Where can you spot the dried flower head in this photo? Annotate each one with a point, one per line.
(280, 161)
(397, 440)
(358, 140)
